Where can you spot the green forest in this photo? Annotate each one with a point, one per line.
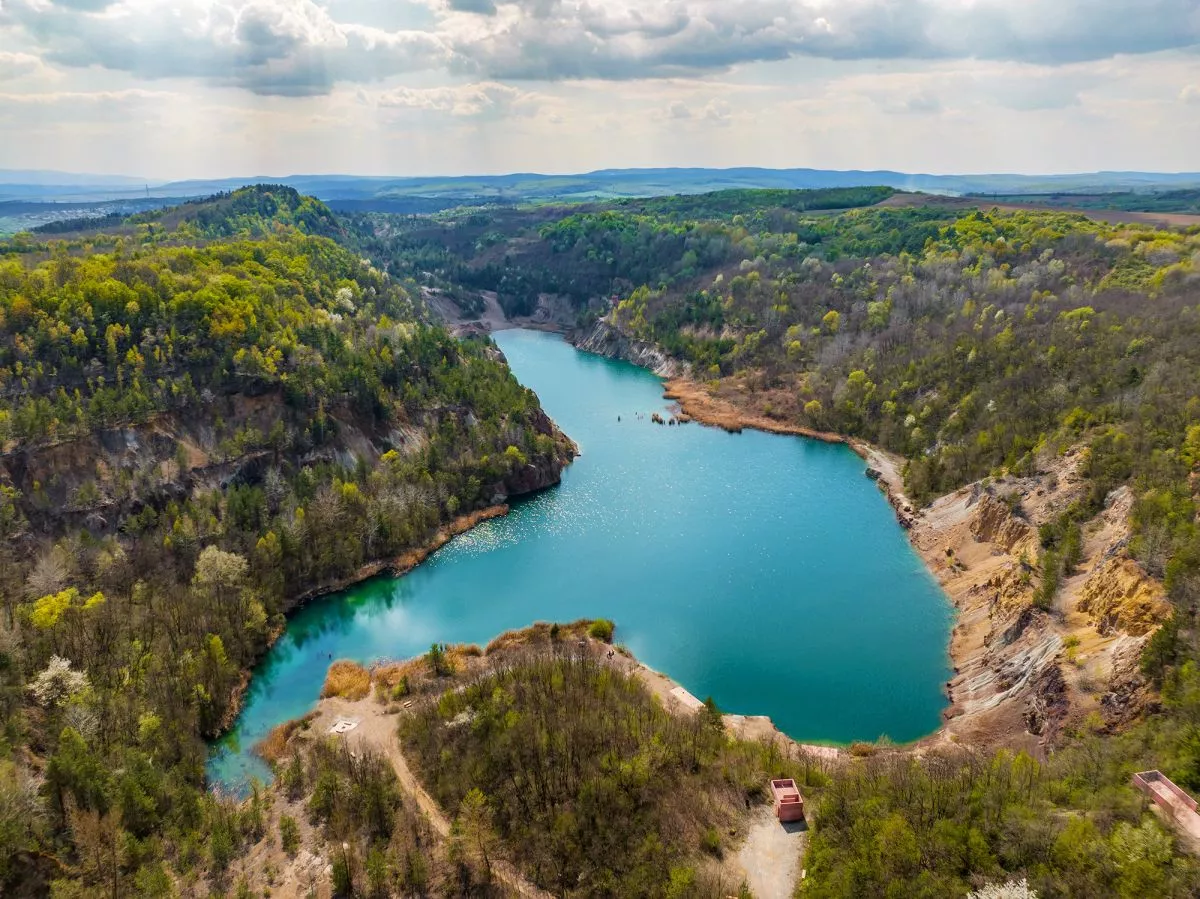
(210, 412)
(204, 415)
(973, 343)
(596, 789)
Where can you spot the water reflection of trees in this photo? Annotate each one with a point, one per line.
(335, 614)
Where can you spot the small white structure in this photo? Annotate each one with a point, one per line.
(344, 725)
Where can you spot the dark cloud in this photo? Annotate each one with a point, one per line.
(482, 7)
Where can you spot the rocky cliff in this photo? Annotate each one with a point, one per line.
(604, 339)
(1120, 597)
(1020, 669)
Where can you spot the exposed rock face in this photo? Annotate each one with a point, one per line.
(97, 481)
(1048, 705)
(1129, 695)
(528, 479)
(1119, 596)
(605, 340)
(533, 477)
(1010, 592)
(994, 523)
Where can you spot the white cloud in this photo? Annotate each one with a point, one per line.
(409, 85)
(718, 111)
(18, 65)
(300, 47)
(481, 99)
(283, 47)
(677, 109)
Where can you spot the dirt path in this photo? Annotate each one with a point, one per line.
(770, 858)
(491, 319)
(377, 729)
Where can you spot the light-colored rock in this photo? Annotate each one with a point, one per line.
(1121, 597)
(604, 339)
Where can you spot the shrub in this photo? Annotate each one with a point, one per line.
(602, 629)
(439, 661)
(289, 835)
(1071, 648)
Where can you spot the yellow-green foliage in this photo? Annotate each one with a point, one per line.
(602, 629)
(45, 613)
(636, 788)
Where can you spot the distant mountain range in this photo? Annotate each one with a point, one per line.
(352, 191)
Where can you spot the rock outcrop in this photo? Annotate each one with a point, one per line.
(604, 339)
(1120, 597)
(995, 523)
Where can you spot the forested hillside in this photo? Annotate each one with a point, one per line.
(582, 776)
(977, 345)
(203, 416)
(583, 252)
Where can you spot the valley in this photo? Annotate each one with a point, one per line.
(219, 419)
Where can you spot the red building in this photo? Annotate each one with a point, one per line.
(789, 804)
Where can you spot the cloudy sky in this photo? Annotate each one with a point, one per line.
(205, 88)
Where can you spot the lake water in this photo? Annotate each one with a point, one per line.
(765, 571)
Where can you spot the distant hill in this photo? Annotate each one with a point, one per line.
(44, 177)
(423, 194)
(618, 183)
(255, 211)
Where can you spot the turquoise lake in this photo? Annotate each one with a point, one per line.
(765, 571)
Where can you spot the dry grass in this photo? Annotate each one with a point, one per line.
(458, 658)
(739, 412)
(540, 634)
(390, 675)
(274, 746)
(348, 680)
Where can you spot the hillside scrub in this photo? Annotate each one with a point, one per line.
(587, 780)
(377, 839)
(956, 819)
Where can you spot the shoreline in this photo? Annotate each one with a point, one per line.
(1007, 685)
(407, 560)
(742, 726)
(395, 567)
(938, 543)
(698, 405)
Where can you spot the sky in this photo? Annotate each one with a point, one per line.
(171, 89)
